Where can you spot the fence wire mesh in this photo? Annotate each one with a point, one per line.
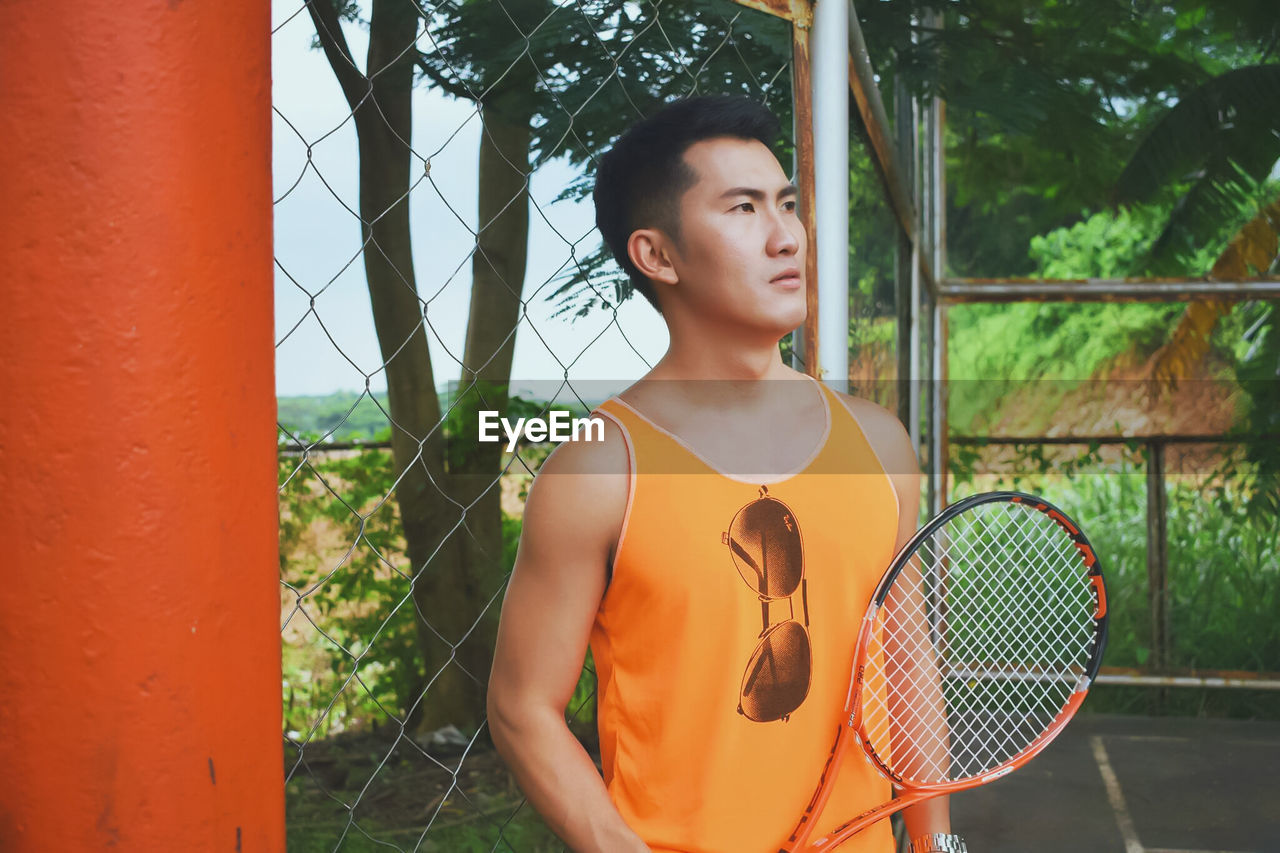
(482, 122)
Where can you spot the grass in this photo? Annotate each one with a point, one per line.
(376, 792)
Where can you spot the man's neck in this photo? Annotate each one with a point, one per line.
(710, 356)
(741, 379)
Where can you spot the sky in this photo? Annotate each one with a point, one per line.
(317, 241)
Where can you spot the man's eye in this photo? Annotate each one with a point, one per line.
(746, 207)
(790, 206)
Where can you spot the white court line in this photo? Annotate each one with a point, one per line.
(1125, 821)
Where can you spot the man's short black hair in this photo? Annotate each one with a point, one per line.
(640, 181)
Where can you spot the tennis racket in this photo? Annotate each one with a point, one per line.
(979, 645)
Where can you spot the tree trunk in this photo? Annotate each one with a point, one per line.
(498, 271)
(442, 591)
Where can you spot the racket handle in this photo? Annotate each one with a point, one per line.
(850, 828)
(799, 837)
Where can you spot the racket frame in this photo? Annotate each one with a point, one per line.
(850, 730)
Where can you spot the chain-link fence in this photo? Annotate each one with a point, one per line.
(432, 167)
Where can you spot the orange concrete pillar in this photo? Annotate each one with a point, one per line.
(139, 606)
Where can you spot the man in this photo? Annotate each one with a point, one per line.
(717, 549)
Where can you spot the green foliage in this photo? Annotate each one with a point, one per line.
(993, 349)
(599, 66)
(337, 800)
(1003, 345)
(1046, 102)
(1258, 370)
(525, 834)
(581, 710)
(873, 238)
(1212, 151)
(1110, 244)
(342, 555)
(340, 416)
(355, 590)
(1224, 579)
(463, 403)
(1045, 107)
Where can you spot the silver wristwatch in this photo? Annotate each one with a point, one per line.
(938, 842)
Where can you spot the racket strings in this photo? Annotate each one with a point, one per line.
(1026, 635)
(980, 643)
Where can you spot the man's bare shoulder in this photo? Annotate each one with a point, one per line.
(579, 497)
(606, 456)
(886, 434)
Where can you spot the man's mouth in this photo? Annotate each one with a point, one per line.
(787, 278)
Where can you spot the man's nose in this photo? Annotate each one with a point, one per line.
(782, 240)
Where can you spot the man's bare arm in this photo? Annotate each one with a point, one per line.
(571, 521)
(892, 445)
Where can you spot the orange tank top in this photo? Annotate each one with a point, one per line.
(724, 641)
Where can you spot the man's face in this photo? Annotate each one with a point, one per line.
(741, 248)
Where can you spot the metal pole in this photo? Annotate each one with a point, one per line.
(929, 311)
(139, 617)
(958, 290)
(938, 241)
(862, 82)
(930, 407)
(940, 438)
(905, 265)
(1211, 679)
(1157, 555)
(913, 374)
(866, 93)
(917, 252)
(939, 236)
(798, 355)
(802, 96)
(829, 81)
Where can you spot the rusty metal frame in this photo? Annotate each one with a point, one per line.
(802, 110)
(798, 12)
(962, 290)
(800, 15)
(1202, 678)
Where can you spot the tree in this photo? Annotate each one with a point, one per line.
(449, 586)
(1208, 159)
(1046, 102)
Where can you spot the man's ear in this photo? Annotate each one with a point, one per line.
(649, 250)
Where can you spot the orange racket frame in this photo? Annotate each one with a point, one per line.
(852, 730)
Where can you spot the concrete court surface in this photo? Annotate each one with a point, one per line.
(1135, 785)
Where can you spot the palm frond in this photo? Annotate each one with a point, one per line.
(591, 284)
(1214, 148)
(1252, 251)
